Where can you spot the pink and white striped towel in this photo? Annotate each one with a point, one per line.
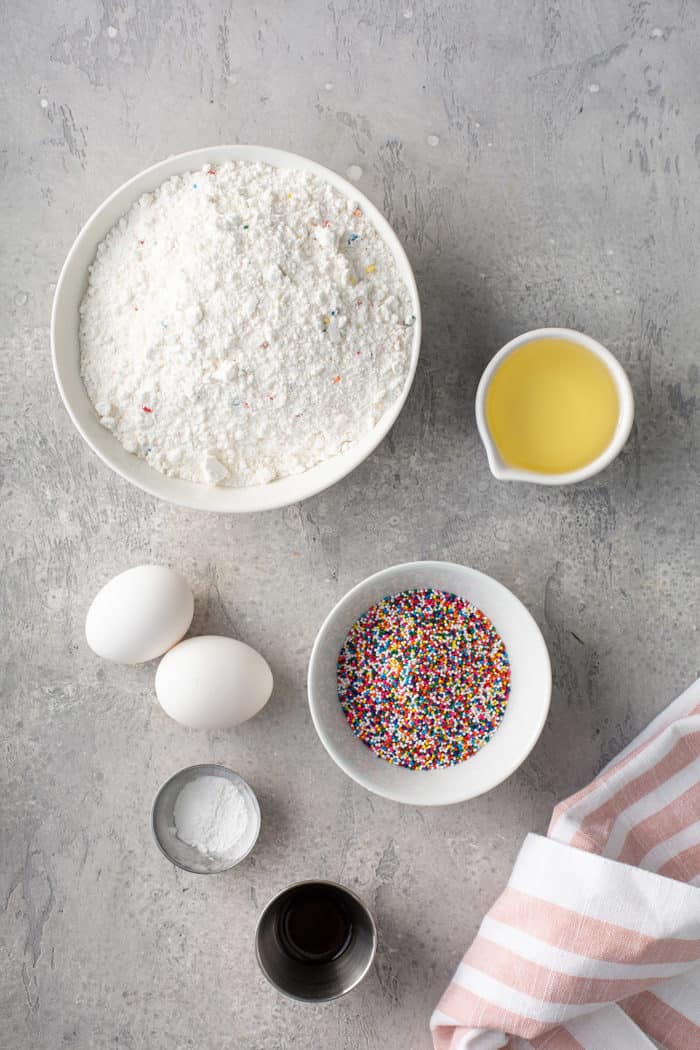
(596, 939)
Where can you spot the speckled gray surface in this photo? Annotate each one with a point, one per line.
(563, 188)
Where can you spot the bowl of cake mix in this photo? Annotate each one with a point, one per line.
(429, 683)
(235, 329)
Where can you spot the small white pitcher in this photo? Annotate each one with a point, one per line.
(502, 470)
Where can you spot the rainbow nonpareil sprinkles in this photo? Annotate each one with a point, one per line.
(423, 679)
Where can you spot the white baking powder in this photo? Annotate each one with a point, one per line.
(243, 323)
(211, 814)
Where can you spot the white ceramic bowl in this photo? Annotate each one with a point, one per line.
(527, 708)
(502, 470)
(66, 349)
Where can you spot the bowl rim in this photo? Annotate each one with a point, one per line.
(507, 769)
(206, 769)
(316, 882)
(193, 495)
(502, 470)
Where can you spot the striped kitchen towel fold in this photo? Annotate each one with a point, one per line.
(596, 939)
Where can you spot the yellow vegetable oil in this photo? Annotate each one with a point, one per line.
(551, 406)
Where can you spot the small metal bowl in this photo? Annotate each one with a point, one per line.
(180, 853)
(342, 946)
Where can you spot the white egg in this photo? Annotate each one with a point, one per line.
(139, 614)
(212, 682)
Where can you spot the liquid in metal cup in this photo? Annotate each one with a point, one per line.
(315, 941)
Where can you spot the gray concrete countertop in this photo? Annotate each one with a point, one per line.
(540, 163)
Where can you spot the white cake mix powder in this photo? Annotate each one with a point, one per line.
(243, 323)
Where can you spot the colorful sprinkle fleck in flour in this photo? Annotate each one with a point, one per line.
(423, 679)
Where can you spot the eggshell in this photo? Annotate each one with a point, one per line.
(139, 614)
(212, 682)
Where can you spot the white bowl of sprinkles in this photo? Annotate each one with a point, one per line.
(130, 463)
(519, 725)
